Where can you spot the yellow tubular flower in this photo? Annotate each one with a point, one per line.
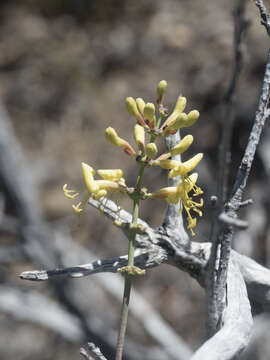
(110, 174)
(108, 185)
(167, 164)
(185, 185)
(164, 193)
(151, 150)
(190, 182)
(140, 104)
(88, 174)
(114, 139)
(178, 149)
(149, 114)
(161, 88)
(182, 146)
(139, 136)
(186, 166)
(170, 194)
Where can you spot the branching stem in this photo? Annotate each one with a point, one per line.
(128, 278)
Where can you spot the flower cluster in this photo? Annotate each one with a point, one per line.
(153, 123)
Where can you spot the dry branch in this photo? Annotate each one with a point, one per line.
(215, 287)
(235, 333)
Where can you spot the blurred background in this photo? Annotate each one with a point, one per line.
(66, 68)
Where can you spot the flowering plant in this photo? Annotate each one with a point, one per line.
(152, 123)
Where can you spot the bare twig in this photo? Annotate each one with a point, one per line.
(228, 108)
(98, 266)
(241, 179)
(265, 18)
(241, 24)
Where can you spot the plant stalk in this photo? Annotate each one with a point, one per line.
(128, 278)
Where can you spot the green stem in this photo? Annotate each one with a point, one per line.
(128, 278)
(159, 121)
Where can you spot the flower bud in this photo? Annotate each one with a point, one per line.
(139, 136)
(88, 174)
(186, 166)
(176, 123)
(180, 104)
(182, 146)
(178, 109)
(110, 174)
(162, 85)
(140, 104)
(149, 114)
(132, 107)
(193, 116)
(151, 150)
(133, 110)
(167, 164)
(114, 139)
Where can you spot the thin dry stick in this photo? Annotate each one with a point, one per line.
(265, 18)
(240, 183)
(243, 173)
(240, 28)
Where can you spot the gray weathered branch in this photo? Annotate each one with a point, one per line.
(216, 287)
(159, 249)
(173, 221)
(265, 18)
(235, 333)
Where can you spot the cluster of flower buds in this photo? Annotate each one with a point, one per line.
(164, 124)
(145, 113)
(154, 124)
